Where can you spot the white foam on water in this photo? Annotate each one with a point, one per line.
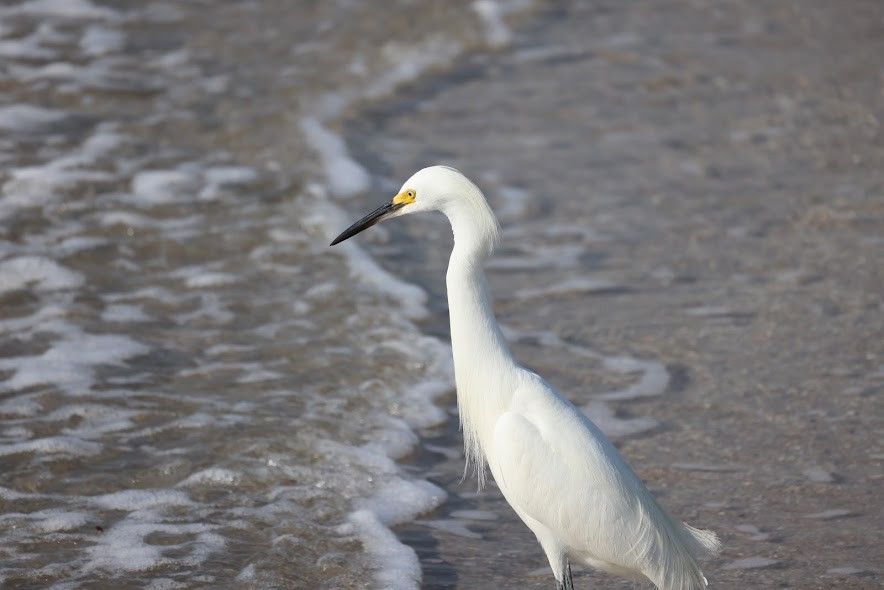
(22, 406)
(401, 500)
(408, 61)
(77, 244)
(68, 9)
(497, 34)
(28, 118)
(51, 520)
(163, 584)
(34, 186)
(399, 565)
(210, 279)
(213, 476)
(247, 574)
(46, 183)
(344, 177)
(160, 187)
(128, 219)
(35, 46)
(329, 219)
(395, 438)
(46, 317)
(403, 62)
(38, 273)
(8, 494)
(230, 175)
(100, 40)
(397, 502)
(124, 313)
(124, 546)
(51, 71)
(259, 375)
(16, 432)
(70, 361)
(111, 72)
(217, 179)
(132, 500)
(73, 354)
(52, 445)
(654, 378)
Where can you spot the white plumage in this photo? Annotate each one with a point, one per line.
(557, 470)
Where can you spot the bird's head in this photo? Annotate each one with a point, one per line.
(437, 188)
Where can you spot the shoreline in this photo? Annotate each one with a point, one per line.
(722, 238)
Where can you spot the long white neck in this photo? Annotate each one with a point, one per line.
(483, 365)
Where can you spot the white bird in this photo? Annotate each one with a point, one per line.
(557, 470)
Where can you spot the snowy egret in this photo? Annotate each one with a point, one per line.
(557, 470)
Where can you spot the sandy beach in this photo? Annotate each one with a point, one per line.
(719, 169)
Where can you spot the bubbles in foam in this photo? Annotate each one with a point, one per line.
(52, 445)
(156, 187)
(55, 520)
(344, 176)
(131, 500)
(70, 362)
(172, 371)
(214, 476)
(497, 34)
(36, 272)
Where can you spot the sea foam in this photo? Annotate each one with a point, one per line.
(36, 272)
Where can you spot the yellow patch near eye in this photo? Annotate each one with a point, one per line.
(406, 197)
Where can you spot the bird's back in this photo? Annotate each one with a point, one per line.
(561, 474)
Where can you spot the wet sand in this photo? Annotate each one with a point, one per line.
(721, 168)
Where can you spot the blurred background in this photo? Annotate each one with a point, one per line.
(196, 391)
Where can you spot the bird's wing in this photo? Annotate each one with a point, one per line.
(557, 469)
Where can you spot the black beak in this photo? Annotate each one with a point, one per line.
(367, 221)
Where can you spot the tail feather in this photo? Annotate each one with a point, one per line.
(672, 559)
(702, 542)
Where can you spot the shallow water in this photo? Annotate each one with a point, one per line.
(197, 392)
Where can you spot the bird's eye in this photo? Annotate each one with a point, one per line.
(405, 197)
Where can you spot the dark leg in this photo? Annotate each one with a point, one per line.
(567, 583)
